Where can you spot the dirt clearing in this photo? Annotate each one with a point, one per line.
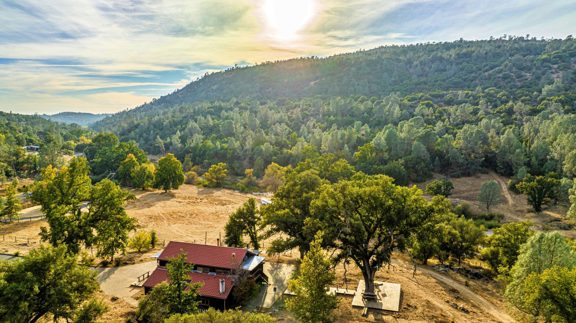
(188, 214)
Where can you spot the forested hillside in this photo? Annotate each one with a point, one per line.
(505, 105)
(53, 139)
(519, 66)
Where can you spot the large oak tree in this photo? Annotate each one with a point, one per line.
(369, 217)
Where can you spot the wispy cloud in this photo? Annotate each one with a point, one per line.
(109, 55)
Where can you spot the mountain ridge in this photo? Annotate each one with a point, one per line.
(79, 118)
(517, 63)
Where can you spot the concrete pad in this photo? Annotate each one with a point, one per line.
(388, 297)
(278, 276)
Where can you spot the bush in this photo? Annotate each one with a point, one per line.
(141, 241)
(442, 187)
(489, 220)
(230, 316)
(191, 178)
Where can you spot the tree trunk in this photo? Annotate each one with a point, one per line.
(37, 317)
(368, 274)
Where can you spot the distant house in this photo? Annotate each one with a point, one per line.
(265, 201)
(32, 148)
(217, 268)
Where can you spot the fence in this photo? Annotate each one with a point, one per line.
(7, 238)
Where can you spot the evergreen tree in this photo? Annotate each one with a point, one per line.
(312, 302)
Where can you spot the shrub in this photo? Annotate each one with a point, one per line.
(141, 241)
(191, 178)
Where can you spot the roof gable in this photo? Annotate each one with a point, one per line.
(210, 283)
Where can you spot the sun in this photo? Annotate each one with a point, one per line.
(286, 18)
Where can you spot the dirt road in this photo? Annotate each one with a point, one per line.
(473, 297)
(504, 187)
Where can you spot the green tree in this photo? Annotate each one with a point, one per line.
(143, 176)
(12, 205)
(368, 217)
(109, 218)
(459, 239)
(424, 242)
(442, 187)
(539, 190)
(572, 211)
(396, 170)
(169, 174)
(249, 181)
(46, 282)
(245, 220)
(215, 316)
(490, 194)
(178, 296)
(290, 214)
(555, 293)
(61, 194)
(141, 241)
(216, 175)
(273, 177)
(502, 247)
(544, 250)
(126, 171)
(187, 165)
(418, 162)
(312, 302)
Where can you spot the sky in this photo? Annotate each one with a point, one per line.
(105, 56)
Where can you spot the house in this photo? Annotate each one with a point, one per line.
(216, 267)
(32, 148)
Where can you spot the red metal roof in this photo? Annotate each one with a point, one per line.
(211, 283)
(205, 255)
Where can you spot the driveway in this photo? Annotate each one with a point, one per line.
(278, 276)
(116, 281)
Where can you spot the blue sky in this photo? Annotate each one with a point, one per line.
(111, 55)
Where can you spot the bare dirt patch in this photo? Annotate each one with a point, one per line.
(429, 296)
(188, 214)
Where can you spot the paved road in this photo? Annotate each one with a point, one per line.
(116, 281)
(31, 213)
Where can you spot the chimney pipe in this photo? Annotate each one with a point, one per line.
(222, 288)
